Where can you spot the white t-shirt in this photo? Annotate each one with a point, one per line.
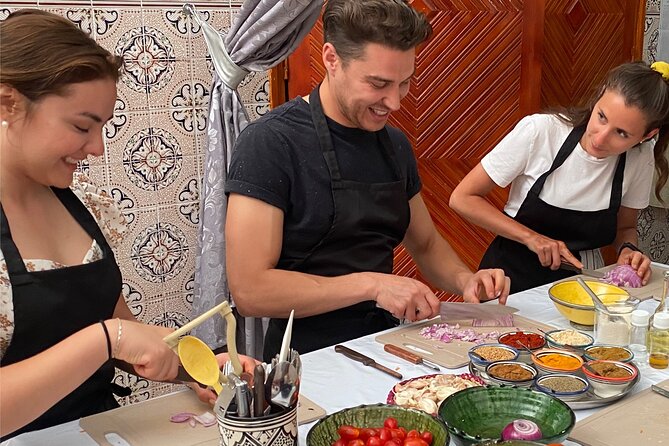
(582, 183)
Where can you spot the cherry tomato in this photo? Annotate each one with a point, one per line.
(415, 442)
(374, 441)
(356, 442)
(427, 436)
(399, 433)
(339, 442)
(384, 434)
(390, 443)
(366, 432)
(413, 433)
(390, 423)
(348, 433)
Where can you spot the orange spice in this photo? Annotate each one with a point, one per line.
(557, 361)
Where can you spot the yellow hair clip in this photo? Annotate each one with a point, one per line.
(662, 68)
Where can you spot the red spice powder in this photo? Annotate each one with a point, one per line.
(520, 339)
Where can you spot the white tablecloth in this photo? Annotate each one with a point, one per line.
(335, 382)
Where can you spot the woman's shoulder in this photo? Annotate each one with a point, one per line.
(102, 206)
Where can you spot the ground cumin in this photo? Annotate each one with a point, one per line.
(609, 353)
(510, 372)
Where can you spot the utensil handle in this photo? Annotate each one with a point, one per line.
(354, 355)
(595, 299)
(172, 339)
(402, 353)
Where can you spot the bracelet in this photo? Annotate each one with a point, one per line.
(118, 337)
(629, 245)
(109, 349)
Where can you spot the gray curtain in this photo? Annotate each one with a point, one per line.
(263, 34)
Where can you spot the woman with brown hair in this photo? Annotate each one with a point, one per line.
(578, 178)
(62, 316)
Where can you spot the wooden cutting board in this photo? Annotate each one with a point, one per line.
(148, 422)
(652, 288)
(452, 355)
(640, 419)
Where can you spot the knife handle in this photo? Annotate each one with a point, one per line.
(353, 354)
(402, 353)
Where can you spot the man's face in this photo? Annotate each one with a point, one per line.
(367, 89)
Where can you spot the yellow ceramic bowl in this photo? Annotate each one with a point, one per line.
(574, 303)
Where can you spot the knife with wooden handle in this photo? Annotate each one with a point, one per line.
(366, 360)
(410, 356)
(584, 271)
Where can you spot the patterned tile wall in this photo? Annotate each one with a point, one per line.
(153, 162)
(653, 226)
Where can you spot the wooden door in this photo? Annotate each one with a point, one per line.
(475, 78)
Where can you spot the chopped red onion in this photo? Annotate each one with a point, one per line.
(447, 333)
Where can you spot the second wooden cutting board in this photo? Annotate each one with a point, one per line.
(452, 355)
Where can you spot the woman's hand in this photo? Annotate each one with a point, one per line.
(637, 260)
(142, 346)
(551, 252)
(207, 395)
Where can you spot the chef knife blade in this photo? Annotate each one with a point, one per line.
(366, 360)
(410, 356)
(461, 310)
(584, 271)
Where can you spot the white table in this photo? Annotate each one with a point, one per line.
(335, 382)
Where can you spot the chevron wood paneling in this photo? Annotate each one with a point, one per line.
(488, 63)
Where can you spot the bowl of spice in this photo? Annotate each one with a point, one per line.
(511, 373)
(609, 378)
(485, 354)
(562, 385)
(521, 340)
(608, 353)
(556, 361)
(569, 339)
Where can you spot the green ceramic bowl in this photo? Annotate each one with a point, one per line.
(324, 432)
(479, 414)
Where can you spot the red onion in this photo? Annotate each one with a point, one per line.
(521, 430)
(623, 275)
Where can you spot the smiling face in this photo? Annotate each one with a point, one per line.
(58, 131)
(614, 127)
(364, 91)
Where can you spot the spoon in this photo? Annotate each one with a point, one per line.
(590, 369)
(200, 362)
(595, 299)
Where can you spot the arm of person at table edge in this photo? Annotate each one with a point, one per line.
(32, 386)
(469, 200)
(253, 246)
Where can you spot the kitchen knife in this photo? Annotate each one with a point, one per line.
(258, 390)
(584, 271)
(366, 360)
(410, 356)
(461, 310)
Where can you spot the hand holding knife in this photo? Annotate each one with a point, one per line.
(410, 356)
(366, 360)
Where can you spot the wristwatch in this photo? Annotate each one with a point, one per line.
(629, 245)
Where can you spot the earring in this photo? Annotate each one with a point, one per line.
(5, 124)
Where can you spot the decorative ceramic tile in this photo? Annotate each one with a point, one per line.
(650, 38)
(653, 230)
(189, 199)
(140, 387)
(653, 7)
(178, 311)
(166, 93)
(173, 26)
(138, 219)
(201, 79)
(97, 174)
(255, 111)
(132, 293)
(254, 88)
(113, 23)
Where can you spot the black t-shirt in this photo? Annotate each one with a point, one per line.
(277, 159)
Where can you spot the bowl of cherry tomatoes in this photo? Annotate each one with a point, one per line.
(378, 425)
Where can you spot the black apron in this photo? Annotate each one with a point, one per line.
(580, 230)
(51, 305)
(370, 220)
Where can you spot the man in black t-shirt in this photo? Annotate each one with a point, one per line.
(321, 191)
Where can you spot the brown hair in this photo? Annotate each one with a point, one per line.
(42, 53)
(351, 24)
(641, 87)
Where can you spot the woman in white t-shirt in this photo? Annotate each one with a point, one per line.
(578, 179)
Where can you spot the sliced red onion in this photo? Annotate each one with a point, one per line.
(206, 419)
(181, 417)
(623, 275)
(521, 430)
(447, 333)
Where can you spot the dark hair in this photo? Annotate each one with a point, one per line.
(351, 24)
(42, 53)
(641, 87)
